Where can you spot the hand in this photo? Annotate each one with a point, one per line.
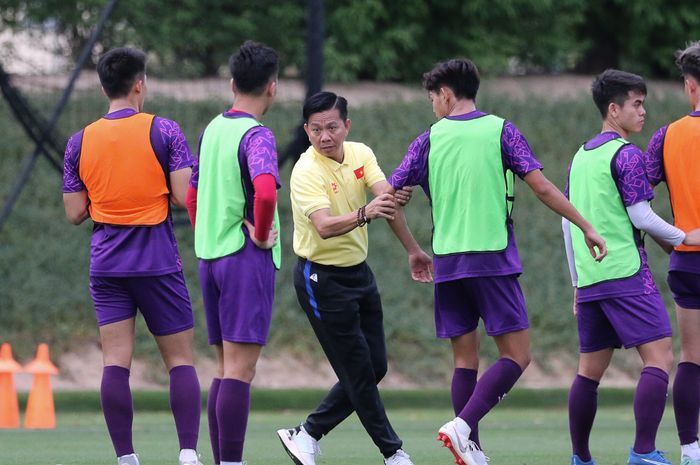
(382, 206)
(403, 195)
(593, 240)
(265, 245)
(421, 266)
(692, 237)
(575, 307)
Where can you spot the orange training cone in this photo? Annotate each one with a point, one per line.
(9, 407)
(40, 412)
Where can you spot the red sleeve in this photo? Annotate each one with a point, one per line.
(264, 202)
(191, 202)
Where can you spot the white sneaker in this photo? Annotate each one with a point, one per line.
(131, 459)
(301, 447)
(479, 457)
(399, 458)
(189, 457)
(461, 447)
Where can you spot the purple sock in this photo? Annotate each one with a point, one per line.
(649, 404)
(232, 407)
(463, 384)
(583, 403)
(211, 414)
(118, 409)
(686, 401)
(491, 388)
(186, 404)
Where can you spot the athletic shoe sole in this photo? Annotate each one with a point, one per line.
(285, 436)
(447, 442)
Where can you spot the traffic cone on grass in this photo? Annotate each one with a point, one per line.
(40, 412)
(9, 407)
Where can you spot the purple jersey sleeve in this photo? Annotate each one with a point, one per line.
(71, 163)
(630, 175)
(261, 153)
(653, 158)
(413, 169)
(168, 140)
(517, 154)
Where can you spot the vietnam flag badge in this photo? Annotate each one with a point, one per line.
(360, 172)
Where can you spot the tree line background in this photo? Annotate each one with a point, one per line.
(44, 260)
(383, 40)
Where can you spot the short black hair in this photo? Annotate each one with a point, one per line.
(459, 74)
(324, 101)
(614, 86)
(119, 69)
(253, 67)
(688, 60)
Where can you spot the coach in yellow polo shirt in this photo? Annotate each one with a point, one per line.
(334, 284)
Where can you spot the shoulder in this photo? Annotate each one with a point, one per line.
(307, 163)
(74, 144)
(165, 124)
(359, 150)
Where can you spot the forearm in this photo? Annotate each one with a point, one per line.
(78, 218)
(332, 226)
(557, 202)
(400, 229)
(75, 205)
(644, 218)
(191, 202)
(264, 201)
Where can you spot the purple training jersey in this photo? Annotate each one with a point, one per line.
(123, 251)
(257, 151)
(628, 171)
(654, 158)
(517, 157)
(238, 289)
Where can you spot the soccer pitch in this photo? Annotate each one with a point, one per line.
(510, 436)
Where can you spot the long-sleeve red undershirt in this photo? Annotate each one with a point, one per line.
(264, 201)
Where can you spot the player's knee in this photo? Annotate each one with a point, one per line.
(665, 361)
(523, 360)
(242, 372)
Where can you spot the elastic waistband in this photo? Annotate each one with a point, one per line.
(340, 269)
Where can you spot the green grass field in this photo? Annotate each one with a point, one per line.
(510, 436)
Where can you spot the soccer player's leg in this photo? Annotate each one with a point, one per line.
(597, 341)
(583, 402)
(686, 385)
(499, 301)
(233, 402)
(115, 311)
(246, 283)
(210, 297)
(165, 304)
(642, 322)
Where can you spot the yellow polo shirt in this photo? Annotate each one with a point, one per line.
(320, 182)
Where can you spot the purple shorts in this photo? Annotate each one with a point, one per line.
(498, 300)
(622, 321)
(685, 288)
(163, 301)
(238, 291)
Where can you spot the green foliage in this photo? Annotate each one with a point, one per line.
(44, 260)
(378, 40)
(637, 36)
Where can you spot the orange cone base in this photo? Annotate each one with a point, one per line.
(40, 407)
(9, 407)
